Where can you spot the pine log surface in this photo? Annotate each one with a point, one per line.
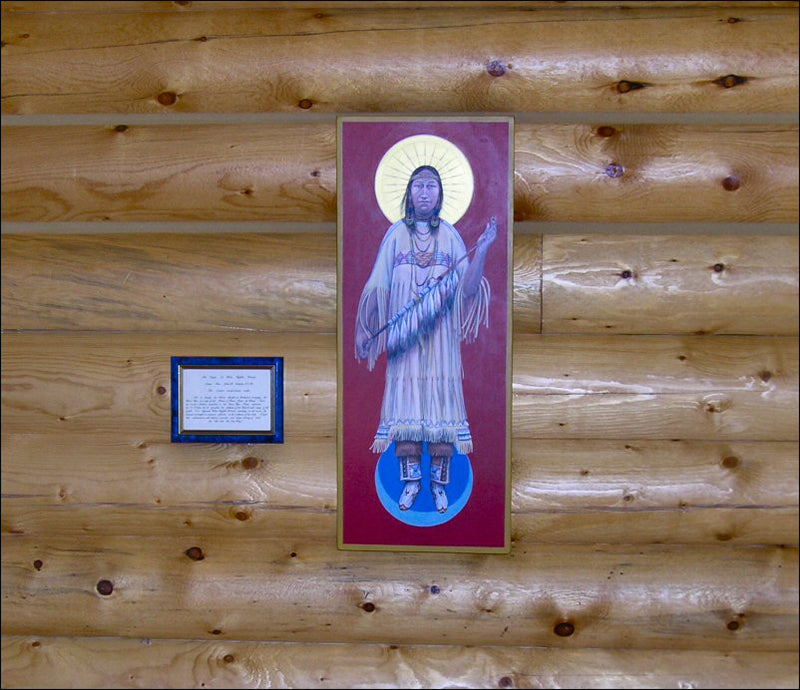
(287, 283)
(604, 172)
(486, 58)
(35, 662)
(655, 377)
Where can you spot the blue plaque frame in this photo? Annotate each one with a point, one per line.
(276, 436)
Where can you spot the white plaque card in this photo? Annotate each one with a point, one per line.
(219, 399)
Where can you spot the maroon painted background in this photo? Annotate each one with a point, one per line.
(482, 521)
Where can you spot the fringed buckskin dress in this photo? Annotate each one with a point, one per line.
(421, 298)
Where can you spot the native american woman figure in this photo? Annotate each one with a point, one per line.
(423, 298)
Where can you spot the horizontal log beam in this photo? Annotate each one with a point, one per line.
(548, 475)
(133, 6)
(120, 382)
(679, 597)
(287, 172)
(486, 58)
(116, 662)
(670, 284)
(197, 522)
(280, 283)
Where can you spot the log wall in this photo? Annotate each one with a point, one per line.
(169, 187)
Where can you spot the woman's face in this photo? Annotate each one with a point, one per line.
(424, 195)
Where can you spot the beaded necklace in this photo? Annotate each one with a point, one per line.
(429, 258)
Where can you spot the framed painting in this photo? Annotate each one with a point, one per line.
(425, 214)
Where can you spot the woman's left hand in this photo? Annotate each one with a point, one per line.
(489, 235)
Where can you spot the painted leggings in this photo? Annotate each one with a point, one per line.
(410, 455)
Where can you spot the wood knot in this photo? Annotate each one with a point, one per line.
(242, 515)
(718, 406)
(584, 473)
(167, 98)
(293, 554)
(315, 173)
(625, 86)
(628, 498)
(161, 390)
(105, 587)
(733, 625)
(564, 629)
(183, 3)
(723, 536)
(195, 553)
(229, 658)
(250, 463)
(202, 39)
(505, 682)
(305, 103)
(121, 128)
(718, 267)
(38, 564)
(730, 80)
(682, 358)
(435, 589)
(765, 375)
(733, 20)
(730, 462)
(368, 606)
(606, 131)
(216, 631)
(615, 170)
(497, 68)
(626, 274)
(731, 183)
(36, 643)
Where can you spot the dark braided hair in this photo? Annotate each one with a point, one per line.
(409, 216)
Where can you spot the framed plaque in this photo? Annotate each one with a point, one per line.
(424, 332)
(227, 399)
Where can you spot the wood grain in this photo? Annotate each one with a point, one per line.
(120, 382)
(619, 285)
(196, 523)
(44, 662)
(154, 282)
(280, 283)
(639, 596)
(134, 6)
(287, 172)
(568, 172)
(548, 475)
(423, 59)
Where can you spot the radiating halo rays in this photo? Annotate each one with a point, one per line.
(397, 164)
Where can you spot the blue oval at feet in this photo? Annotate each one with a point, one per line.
(423, 513)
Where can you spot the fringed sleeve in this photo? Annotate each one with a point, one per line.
(373, 307)
(471, 312)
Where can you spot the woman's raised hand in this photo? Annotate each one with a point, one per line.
(489, 234)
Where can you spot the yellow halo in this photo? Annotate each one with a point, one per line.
(397, 164)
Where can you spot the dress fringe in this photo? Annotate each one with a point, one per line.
(402, 432)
